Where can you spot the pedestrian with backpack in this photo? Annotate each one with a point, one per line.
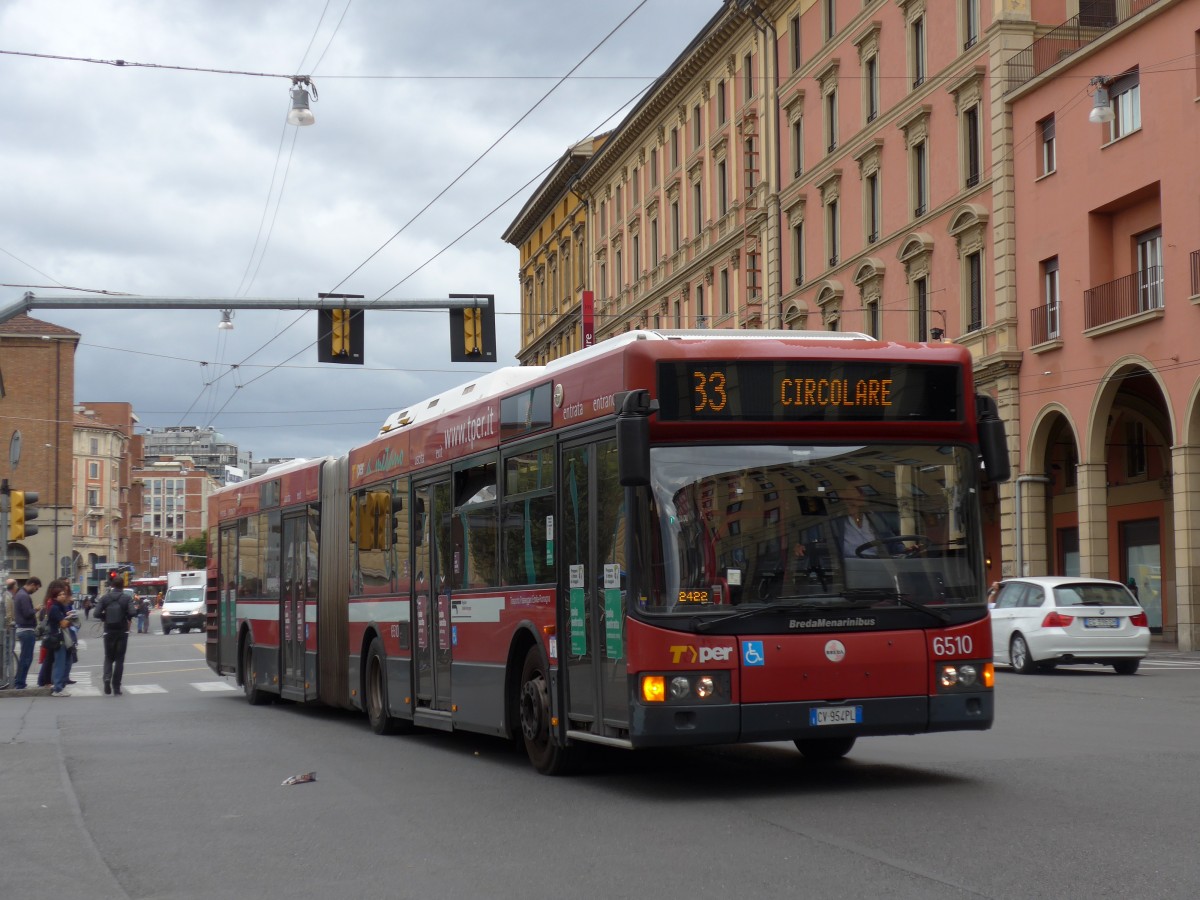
(115, 611)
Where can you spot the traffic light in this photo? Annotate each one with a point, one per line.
(340, 332)
(22, 508)
(473, 330)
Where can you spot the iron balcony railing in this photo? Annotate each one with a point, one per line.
(1093, 20)
(1044, 322)
(1137, 293)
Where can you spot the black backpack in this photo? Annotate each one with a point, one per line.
(115, 610)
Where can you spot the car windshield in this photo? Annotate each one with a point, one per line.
(183, 595)
(1093, 595)
(828, 527)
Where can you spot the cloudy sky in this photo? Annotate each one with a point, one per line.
(160, 181)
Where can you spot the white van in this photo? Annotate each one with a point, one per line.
(183, 604)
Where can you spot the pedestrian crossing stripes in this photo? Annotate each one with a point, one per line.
(86, 688)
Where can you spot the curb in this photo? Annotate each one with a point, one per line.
(25, 692)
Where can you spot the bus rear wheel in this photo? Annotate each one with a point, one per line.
(547, 756)
(376, 690)
(825, 749)
(254, 694)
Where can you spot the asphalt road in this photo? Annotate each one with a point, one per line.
(1088, 787)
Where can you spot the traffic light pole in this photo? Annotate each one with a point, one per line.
(7, 634)
(121, 301)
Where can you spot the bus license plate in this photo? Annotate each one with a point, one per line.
(835, 715)
(1101, 623)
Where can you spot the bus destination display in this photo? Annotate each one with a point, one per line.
(809, 391)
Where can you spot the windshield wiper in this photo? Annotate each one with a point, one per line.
(749, 612)
(877, 594)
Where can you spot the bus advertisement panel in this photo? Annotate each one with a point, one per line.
(667, 539)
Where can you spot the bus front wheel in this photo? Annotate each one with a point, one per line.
(547, 756)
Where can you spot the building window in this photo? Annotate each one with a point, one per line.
(1049, 158)
(970, 22)
(653, 167)
(974, 278)
(917, 51)
(618, 206)
(93, 469)
(748, 78)
(798, 252)
(798, 146)
(871, 86)
(635, 256)
(873, 199)
(1149, 270)
(971, 146)
(722, 189)
(94, 444)
(700, 316)
(603, 281)
(677, 314)
(722, 112)
(697, 210)
(635, 178)
(1125, 97)
(724, 296)
(794, 41)
(696, 136)
(620, 267)
(831, 123)
(751, 164)
(674, 226)
(1050, 303)
(920, 180)
(830, 19)
(93, 497)
(675, 148)
(921, 308)
(873, 318)
(832, 231)
(604, 217)
(654, 254)
(1135, 449)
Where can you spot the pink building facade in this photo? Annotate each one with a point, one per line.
(1107, 278)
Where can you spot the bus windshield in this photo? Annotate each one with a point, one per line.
(824, 527)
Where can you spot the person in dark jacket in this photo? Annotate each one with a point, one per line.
(25, 620)
(56, 623)
(115, 610)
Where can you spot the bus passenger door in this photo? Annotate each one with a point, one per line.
(295, 627)
(431, 596)
(592, 551)
(227, 649)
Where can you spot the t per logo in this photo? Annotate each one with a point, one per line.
(703, 655)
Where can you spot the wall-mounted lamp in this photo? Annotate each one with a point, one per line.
(226, 323)
(1101, 107)
(300, 114)
(936, 334)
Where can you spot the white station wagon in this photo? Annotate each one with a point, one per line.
(1039, 623)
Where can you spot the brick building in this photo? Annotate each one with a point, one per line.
(37, 392)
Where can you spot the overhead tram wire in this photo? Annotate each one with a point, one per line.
(247, 279)
(441, 193)
(478, 222)
(494, 144)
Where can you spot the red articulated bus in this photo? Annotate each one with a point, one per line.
(667, 539)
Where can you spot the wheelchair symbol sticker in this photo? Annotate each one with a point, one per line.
(752, 653)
